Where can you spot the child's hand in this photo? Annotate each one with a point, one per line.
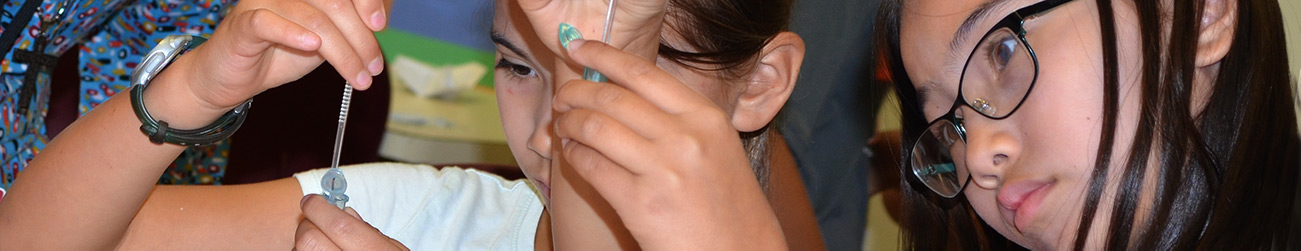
(665, 157)
(262, 44)
(325, 227)
(636, 27)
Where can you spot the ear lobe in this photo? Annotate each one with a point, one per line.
(769, 86)
(1219, 18)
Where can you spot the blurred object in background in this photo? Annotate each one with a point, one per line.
(291, 128)
(443, 109)
(832, 114)
(427, 81)
(1292, 26)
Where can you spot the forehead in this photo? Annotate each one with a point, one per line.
(502, 22)
(513, 33)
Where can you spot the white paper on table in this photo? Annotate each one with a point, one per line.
(429, 81)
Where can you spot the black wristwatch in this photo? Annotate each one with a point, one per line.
(158, 132)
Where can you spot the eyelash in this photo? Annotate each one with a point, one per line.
(514, 69)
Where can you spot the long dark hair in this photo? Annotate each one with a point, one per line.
(1227, 177)
(726, 37)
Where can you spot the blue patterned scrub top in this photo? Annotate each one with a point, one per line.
(113, 35)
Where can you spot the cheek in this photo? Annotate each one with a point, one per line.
(518, 107)
(1063, 113)
(516, 110)
(1062, 126)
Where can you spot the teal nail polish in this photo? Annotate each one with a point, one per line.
(568, 33)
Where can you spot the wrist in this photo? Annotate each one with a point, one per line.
(172, 97)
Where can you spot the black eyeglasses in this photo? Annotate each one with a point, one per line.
(996, 79)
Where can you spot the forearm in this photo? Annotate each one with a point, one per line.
(83, 190)
(261, 216)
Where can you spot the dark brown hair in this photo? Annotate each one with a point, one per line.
(728, 36)
(1226, 177)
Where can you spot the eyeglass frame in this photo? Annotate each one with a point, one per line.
(1015, 22)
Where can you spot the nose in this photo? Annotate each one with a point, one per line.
(991, 148)
(540, 140)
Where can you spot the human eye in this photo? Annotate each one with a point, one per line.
(1001, 51)
(514, 70)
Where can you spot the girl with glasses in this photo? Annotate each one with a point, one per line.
(1149, 125)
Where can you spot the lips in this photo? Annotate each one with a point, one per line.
(1022, 200)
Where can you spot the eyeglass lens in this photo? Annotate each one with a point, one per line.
(998, 74)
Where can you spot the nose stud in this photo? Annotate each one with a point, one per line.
(983, 106)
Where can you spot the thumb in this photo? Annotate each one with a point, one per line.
(352, 212)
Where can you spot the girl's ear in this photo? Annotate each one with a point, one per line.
(769, 86)
(1219, 18)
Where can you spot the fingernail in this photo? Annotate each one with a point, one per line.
(574, 45)
(568, 34)
(352, 212)
(376, 66)
(377, 20)
(304, 200)
(362, 80)
(308, 40)
(564, 142)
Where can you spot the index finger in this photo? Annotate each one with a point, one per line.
(346, 231)
(638, 75)
(373, 12)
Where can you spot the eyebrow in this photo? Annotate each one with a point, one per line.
(983, 11)
(500, 39)
(924, 93)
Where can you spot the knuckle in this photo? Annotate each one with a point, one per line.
(308, 242)
(314, 20)
(607, 95)
(241, 7)
(580, 157)
(336, 6)
(640, 70)
(686, 145)
(692, 149)
(591, 126)
(260, 18)
(340, 227)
